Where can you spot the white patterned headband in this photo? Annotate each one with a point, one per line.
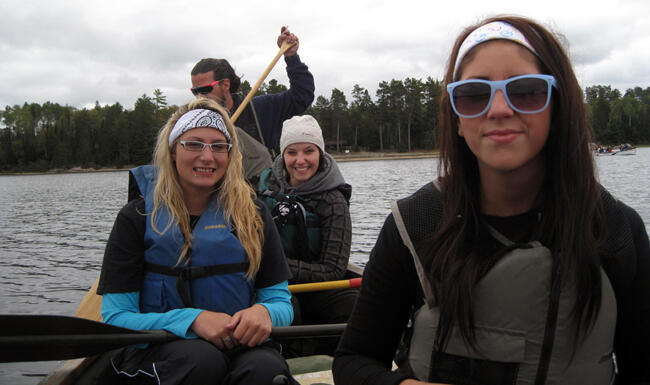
(491, 31)
(198, 118)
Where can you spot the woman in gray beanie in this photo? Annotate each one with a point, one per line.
(309, 200)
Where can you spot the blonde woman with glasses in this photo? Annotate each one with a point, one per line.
(196, 255)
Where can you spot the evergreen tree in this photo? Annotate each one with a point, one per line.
(431, 93)
(82, 125)
(339, 110)
(143, 129)
(362, 119)
(600, 99)
(160, 102)
(274, 87)
(413, 89)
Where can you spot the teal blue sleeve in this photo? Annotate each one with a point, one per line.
(277, 300)
(123, 309)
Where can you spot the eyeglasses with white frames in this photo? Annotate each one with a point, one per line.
(196, 146)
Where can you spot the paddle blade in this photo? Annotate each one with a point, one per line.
(51, 337)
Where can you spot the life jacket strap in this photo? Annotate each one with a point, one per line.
(185, 275)
(551, 324)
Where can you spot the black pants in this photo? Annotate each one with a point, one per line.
(189, 362)
(320, 307)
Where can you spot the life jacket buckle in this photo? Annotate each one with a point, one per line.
(185, 274)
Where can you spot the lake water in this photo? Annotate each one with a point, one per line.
(53, 228)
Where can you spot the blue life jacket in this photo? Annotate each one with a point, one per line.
(299, 228)
(214, 277)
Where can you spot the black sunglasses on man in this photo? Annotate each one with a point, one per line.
(205, 89)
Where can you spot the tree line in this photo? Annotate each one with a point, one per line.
(402, 116)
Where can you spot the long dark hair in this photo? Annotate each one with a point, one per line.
(569, 199)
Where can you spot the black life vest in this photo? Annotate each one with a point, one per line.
(299, 227)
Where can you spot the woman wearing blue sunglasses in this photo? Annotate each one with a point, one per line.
(515, 266)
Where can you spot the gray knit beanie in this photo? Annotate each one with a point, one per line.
(301, 129)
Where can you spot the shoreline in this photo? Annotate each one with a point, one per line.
(342, 157)
(367, 156)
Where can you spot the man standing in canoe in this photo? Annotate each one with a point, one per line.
(260, 124)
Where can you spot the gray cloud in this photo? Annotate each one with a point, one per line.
(75, 52)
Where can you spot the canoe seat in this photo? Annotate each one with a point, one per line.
(310, 364)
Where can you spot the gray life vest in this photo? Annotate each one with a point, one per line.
(511, 305)
(255, 156)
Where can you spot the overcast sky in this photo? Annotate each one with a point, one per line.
(75, 52)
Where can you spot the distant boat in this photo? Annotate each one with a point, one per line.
(624, 149)
(627, 151)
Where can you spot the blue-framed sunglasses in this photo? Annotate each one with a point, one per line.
(527, 94)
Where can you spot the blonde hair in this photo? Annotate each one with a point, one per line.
(235, 196)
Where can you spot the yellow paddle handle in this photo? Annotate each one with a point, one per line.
(328, 285)
(285, 46)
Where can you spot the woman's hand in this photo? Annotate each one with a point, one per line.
(213, 327)
(251, 326)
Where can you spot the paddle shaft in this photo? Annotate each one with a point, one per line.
(52, 337)
(283, 48)
(327, 285)
(91, 304)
